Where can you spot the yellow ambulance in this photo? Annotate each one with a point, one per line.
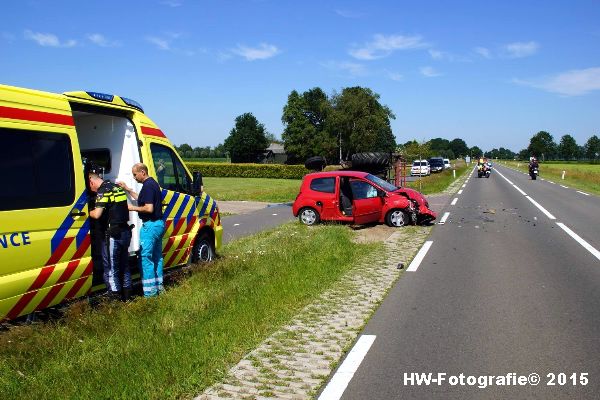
(46, 141)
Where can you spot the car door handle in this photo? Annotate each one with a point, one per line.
(77, 214)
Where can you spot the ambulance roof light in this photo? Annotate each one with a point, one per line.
(101, 96)
(132, 103)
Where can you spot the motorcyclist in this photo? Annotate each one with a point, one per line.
(482, 166)
(533, 164)
(533, 167)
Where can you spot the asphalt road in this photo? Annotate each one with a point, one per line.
(236, 226)
(503, 289)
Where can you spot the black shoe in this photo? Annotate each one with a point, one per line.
(126, 294)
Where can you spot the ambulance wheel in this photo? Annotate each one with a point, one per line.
(203, 250)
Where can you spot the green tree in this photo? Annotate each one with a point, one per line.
(438, 145)
(524, 155)
(362, 122)
(459, 147)
(306, 133)
(475, 152)
(568, 148)
(247, 140)
(184, 149)
(272, 138)
(449, 154)
(219, 151)
(592, 148)
(414, 150)
(542, 146)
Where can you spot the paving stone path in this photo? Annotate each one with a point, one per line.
(297, 360)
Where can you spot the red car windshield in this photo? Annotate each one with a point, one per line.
(381, 183)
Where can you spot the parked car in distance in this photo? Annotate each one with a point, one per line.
(436, 164)
(359, 198)
(446, 163)
(420, 167)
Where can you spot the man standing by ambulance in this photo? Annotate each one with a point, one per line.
(149, 209)
(110, 210)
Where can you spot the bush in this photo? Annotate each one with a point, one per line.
(275, 171)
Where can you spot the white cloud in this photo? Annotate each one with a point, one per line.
(429, 72)
(101, 41)
(483, 52)
(48, 39)
(348, 14)
(570, 83)
(395, 76)
(160, 43)
(262, 52)
(171, 3)
(436, 54)
(521, 49)
(382, 46)
(353, 69)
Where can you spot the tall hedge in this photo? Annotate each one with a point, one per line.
(278, 171)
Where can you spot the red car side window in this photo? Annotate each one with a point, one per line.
(326, 185)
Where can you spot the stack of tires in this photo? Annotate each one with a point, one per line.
(316, 163)
(373, 163)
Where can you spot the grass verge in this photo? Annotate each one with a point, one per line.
(585, 177)
(252, 189)
(177, 344)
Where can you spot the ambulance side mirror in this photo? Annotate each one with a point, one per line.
(197, 183)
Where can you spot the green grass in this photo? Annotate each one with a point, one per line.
(176, 345)
(581, 176)
(437, 182)
(252, 189)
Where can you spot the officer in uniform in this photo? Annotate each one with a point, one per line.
(111, 213)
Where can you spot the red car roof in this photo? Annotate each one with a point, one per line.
(356, 174)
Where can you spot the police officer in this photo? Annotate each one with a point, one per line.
(112, 214)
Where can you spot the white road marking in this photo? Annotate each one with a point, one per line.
(420, 256)
(564, 186)
(444, 218)
(460, 191)
(579, 191)
(338, 384)
(464, 186)
(519, 189)
(236, 224)
(454, 201)
(579, 240)
(274, 214)
(551, 182)
(542, 209)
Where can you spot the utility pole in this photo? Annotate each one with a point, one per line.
(340, 135)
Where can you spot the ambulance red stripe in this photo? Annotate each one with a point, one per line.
(60, 251)
(76, 287)
(68, 272)
(37, 116)
(49, 297)
(181, 243)
(146, 130)
(21, 304)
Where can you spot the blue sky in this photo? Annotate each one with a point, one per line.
(492, 73)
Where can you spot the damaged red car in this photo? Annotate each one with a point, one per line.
(358, 198)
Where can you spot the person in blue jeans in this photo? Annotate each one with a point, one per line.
(111, 215)
(149, 209)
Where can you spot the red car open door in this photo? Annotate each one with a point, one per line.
(366, 204)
